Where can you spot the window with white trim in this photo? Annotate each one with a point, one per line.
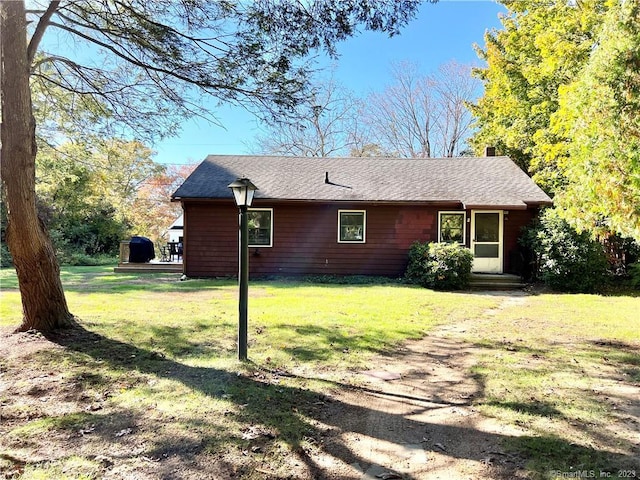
(260, 222)
(352, 226)
(451, 227)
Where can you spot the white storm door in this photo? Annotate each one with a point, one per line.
(486, 241)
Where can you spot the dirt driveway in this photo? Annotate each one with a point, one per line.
(414, 418)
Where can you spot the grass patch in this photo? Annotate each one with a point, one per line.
(153, 376)
(552, 457)
(69, 468)
(73, 421)
(289, 322)
(556, 365)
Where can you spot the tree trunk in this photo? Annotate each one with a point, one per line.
(43, 303)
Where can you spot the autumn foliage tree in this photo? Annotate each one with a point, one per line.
(153, 210)
(86, 188)
(149, 63)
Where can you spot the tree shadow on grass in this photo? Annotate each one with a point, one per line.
(533, 407)
(570, 458)
(331, 340)
(311, 424)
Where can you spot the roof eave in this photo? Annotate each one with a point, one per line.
(324, 200)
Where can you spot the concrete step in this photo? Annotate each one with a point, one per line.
(490, 281)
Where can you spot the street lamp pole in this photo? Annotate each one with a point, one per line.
(243, 191)
(243, 282)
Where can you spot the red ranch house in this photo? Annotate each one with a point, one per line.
(354, 216)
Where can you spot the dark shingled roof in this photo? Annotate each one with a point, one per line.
(474, 182)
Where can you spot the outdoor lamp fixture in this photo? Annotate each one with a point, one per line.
(243, 191)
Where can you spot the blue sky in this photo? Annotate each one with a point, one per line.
(441, 32)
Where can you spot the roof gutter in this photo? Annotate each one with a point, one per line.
(486, 206)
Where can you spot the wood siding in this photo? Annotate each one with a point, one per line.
(305, 239)
(514, 222)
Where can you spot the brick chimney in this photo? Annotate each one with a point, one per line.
(489, 151)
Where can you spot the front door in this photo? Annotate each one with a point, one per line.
(486, 241)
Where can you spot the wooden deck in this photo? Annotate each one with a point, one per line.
(156, 267)
(153, 266)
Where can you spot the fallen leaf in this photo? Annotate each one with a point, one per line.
(89, 429)
(250, 435)
(388, 475)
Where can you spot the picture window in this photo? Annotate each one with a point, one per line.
(451, 227)
(351, 226)
(260, 222)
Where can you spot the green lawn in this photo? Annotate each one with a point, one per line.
(157, 356)
(289, 322)
(567, 368)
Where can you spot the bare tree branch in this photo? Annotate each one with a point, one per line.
(422, 115)
(43, 23)
(327, 125)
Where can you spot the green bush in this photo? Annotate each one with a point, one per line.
(633, 271)
(442, 266)
(82, 259)
(5, 256)
(65, 257)
(565, 259)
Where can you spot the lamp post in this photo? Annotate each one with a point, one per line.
(243, 191)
